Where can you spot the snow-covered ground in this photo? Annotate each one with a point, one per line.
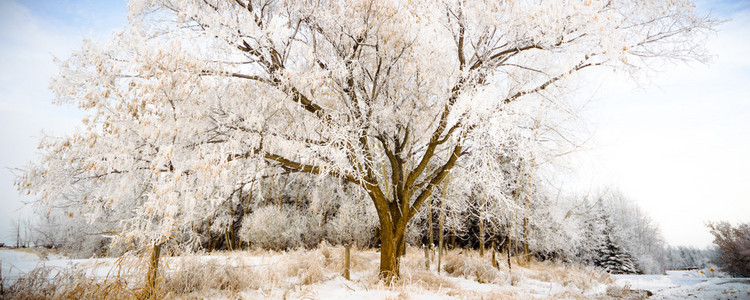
(694, 284)
(18, 262)
(284, 275)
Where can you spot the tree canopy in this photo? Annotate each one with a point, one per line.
(197, 99)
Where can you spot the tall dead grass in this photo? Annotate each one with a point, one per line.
(473, 267)
(233, 274)
(65, 283)
(581, 277)
(199, 276)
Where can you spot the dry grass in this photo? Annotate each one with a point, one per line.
(471, 266)
(193, 277)
(625, 292)
(474, 295)
(578, 276)
(62, 283)
(308, 266)
(36, 285)
(427, 280)
(301, 273)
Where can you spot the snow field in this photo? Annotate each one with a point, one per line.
(692, 284)
(316, 274)
(304, 274)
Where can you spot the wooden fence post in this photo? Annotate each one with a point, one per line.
(153, 267)
(347, 260)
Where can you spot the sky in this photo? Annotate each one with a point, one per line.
(31, 34)
(678, 145)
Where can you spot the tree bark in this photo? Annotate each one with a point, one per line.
(526, 256)
(427, 257)
(494, 261)
(481, 239)
(441, 225)
(507, 249)
(453, 239)
(389, 258)
(402, 246)
(429, 224)
(228, 240)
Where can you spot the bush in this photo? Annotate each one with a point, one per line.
(276, 228)
(733, 248)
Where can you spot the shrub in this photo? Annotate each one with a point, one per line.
(280, 228)
(733, 248)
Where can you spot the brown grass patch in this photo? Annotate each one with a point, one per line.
(427, 280)
(268, 273)
(57, 283)
(470, 266)
(578, 276)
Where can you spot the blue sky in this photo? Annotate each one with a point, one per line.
(31, 34)
(84, 15)
(679, 145)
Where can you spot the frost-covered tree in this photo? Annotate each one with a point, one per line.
(616, 234)
(637, 233)
(682, 257)
(732, 247)
(603, 246)
(614, 259)
(67, 230)
(199, 98)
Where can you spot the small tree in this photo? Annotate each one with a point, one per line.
(733, 247)
(614, 259)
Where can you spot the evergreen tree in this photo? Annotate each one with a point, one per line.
(614, 259)
(608, 248)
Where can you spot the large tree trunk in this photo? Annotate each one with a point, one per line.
(389, 253)
(396, 209)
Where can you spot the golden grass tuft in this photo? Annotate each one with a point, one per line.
(308, 266)
(581, 277)
(192, 277)
(470, 266)
(56, 283)
(427, 280)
